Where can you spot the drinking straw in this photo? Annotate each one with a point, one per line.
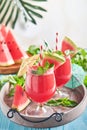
(41, 49)
(56, 41)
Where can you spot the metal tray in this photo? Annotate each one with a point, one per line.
(79, 93)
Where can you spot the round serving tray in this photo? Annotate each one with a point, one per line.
(10, 69)
(69, 114)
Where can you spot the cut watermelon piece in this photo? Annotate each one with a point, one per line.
(4, 31)
(20, 100)
(17, 53)
(68, 44)
(53, 58)
(5, 56)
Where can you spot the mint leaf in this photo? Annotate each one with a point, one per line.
(63, 102)
(42, 69)
(33, 49)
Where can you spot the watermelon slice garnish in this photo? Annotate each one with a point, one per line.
(53, 58)
(5, 56)
(68, 44)
(17, 53)
(20, 100)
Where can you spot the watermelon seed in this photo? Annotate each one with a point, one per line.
(22, 94)
(1, 42)
(2, 50)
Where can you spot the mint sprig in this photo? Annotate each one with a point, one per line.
(66, 102)
(33, 50)
(42, 69)
(13, 80)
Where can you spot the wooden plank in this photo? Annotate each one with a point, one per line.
(79, 124)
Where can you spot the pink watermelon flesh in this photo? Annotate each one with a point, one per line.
(5, 56)
(1, 36)
(67, 44)
(51, 61)
(20, 100)
(3, 31)
(16, 52)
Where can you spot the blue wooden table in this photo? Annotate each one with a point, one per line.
(78, 124)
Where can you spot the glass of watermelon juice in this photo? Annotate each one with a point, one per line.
(39, 88)
(62, 75)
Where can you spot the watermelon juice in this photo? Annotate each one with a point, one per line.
(63, 73)
(40, 88)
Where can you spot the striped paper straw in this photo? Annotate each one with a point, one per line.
(56, 41)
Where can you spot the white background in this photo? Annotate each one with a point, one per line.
(67, 17)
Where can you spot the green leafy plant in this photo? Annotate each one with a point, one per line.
(10, 10)
(13, 80)
(63, 102)
(81, 58)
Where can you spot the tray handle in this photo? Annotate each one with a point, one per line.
(58, 116)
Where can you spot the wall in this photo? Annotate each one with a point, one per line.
(67, 17)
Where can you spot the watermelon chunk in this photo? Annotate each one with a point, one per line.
(5, 56)
(53, 58)
(17, 53)
(20, 100)
(4, 31)
(68, 44)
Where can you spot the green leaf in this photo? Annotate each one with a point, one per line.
(3, 5)
(10, 16)
(11, 92)
(34, 13)
(7, 9)
(33, 6)
(85, 81)
(33, 49)
(81, 58)
(16, 17)
(27, 8)
(63, 102)
(42, 69)
(40, 0)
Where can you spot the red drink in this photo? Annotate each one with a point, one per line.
(40, 88)
(63, 73)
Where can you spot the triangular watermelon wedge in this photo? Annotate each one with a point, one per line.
(5, 56)
(53, 58)
(17, 53)
(20, 100)
(4, 31)
(68, 44)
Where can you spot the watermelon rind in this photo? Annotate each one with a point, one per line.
(21, 107)
(20, 99)
(5, 56)
(54, 56)
(16, 51)
(70, 42)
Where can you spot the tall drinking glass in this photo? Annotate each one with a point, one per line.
(63, 75)
(39, 88)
